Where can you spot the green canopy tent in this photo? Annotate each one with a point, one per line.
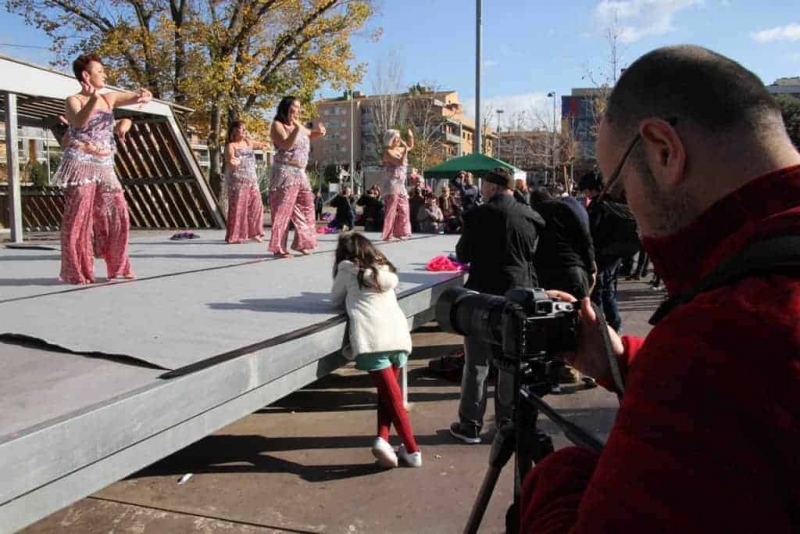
(478, 164)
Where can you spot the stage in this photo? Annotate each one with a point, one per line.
(103, 380)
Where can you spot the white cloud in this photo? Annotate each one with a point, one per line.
(790, 32)
(526, 110)
(641, 18)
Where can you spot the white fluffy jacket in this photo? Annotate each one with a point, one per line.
(377, 324)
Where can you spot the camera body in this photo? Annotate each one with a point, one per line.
(526, 323)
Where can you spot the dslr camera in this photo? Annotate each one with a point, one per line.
(529, 325)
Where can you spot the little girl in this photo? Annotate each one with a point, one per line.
(364, 284)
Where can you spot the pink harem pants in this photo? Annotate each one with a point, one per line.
(297, 205)
(77, 260)
(396, 223)
(245, 214)
(111, 231)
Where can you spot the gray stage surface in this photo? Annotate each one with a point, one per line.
(207, 334)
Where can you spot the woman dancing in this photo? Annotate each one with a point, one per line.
(290, 195)
(396, 222)
(245, 210)
(94, 202)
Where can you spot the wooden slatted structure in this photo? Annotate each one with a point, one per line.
(163, 183)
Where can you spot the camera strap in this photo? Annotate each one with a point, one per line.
(616, 374)
(775, 255)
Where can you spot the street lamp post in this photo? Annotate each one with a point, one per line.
(552, 94)
(499, 112)
(477, 145)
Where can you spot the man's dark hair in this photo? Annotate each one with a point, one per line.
(591, 181)
(540, 194)
(690, 84)
(82, 62)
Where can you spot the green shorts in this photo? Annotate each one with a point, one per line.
(377, 361)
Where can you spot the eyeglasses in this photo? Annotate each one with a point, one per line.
(612, 180)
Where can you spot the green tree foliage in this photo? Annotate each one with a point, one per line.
(790, 110)
(227, 59)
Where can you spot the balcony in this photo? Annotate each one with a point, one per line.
(452, 138)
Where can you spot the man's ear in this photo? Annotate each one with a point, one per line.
(664, 151)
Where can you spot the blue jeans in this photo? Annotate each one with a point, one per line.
(605, 294)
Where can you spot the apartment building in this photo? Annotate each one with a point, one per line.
(353, 127)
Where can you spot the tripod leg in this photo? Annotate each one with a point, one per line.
(502, 449)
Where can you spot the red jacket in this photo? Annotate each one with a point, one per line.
(707, 438)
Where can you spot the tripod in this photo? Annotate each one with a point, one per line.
(532, 380)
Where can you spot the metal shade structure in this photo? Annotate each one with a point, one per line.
(164, 185)
(476, 163)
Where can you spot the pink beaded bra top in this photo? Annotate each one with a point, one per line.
(99, 131)
(297, 156)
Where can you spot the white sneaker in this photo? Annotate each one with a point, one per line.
(384, 453)
(413, 459)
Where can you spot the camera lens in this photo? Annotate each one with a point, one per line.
(470, 313)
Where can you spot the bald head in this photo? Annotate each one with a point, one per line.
(695, 86)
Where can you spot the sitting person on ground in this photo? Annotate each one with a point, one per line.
(318, 204)
(364, 285)
(708, 429)
(372, 211)
(450, 210)
(431, 219)
(344, 218)
(416, 201)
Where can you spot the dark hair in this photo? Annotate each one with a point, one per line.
(231, 127)
(690, 84)
(82, 62)
(282, 114)
(360, 250)
(591, 181)
(540, 194)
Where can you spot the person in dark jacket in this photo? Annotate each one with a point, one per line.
(564, 258)
(345, 218)
(608, 265)
(318, 204)
(499, 242)
(372, 211)
(707, 432)
(565, 255)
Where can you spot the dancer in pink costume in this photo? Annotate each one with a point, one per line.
(245, 210)
(94, 203)
(290, 195)
(396, 222)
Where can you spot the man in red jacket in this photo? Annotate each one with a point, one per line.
(707, 437)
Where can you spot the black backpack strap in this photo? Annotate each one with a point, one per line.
(775, 255)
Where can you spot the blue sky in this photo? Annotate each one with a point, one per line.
(533, 47)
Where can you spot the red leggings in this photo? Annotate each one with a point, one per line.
(391, 409)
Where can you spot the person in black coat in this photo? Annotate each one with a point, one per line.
(372, 211)
(499, 242)
(344, 211)
(565, 255)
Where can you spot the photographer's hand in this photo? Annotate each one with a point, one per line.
(590, 357)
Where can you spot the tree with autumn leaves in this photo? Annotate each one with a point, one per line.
(227, 60)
